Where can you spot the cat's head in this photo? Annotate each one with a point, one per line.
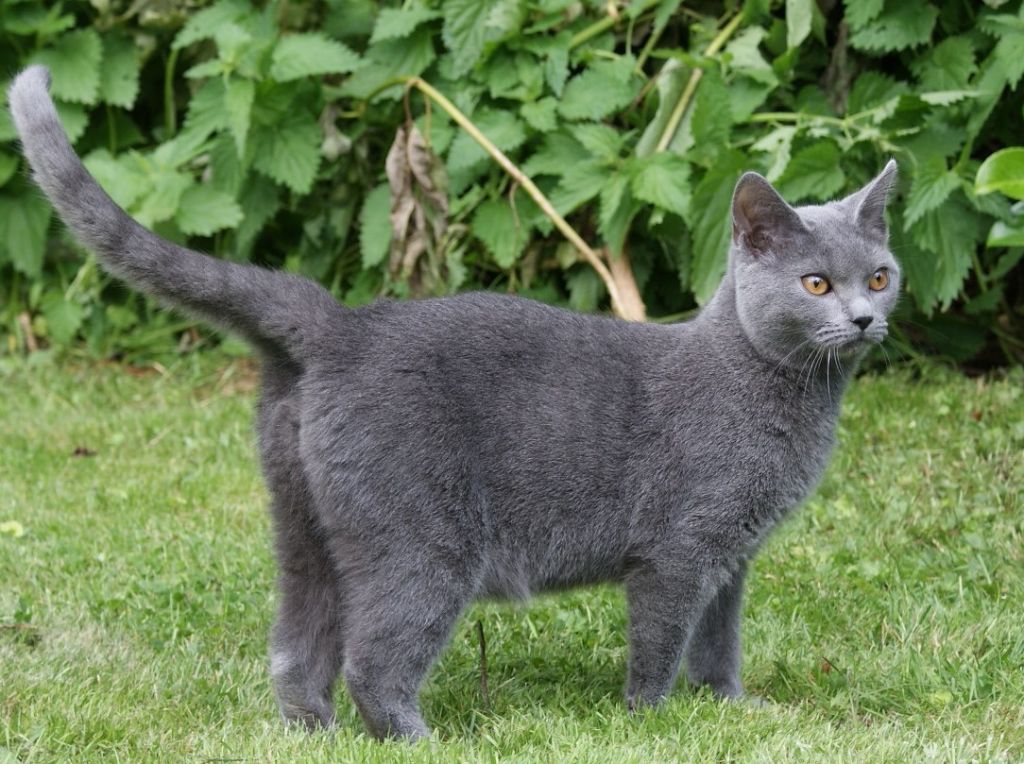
(816, 280)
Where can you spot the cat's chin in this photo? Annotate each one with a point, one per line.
(856, 348)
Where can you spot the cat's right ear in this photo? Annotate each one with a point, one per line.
(760, 217)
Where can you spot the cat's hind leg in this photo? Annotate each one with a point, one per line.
(306, 641)
(398, 620)
(307, 638)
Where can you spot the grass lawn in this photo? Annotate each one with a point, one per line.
(885, 620)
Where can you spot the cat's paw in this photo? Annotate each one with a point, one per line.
(638, 701)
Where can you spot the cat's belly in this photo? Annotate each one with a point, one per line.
(519, 572)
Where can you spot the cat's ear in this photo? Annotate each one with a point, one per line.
(760, 217)
(869, 203)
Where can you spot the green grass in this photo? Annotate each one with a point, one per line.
(885, 620)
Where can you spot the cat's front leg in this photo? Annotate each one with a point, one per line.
(666, 599)
(713, 653)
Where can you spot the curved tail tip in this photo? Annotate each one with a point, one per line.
(28, 96)
(30, 80)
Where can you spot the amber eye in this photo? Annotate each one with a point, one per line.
(879, 280)
(816, 285)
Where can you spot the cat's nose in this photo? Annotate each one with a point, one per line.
(863, 321)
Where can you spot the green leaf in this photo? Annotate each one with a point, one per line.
(238, 97)
(946, 97)
(8, 166)
(933, 183)
(939, 138)
(603, 141)
(204, 24)
(541, 115)
(165, 187)
(586, 290)
(578, 184)
(947, 66)
(709, 220)
(7, 131)
(226, 169)
(1009, 53)
(603, 88)
(557, 154)
(259, 201)
(63, 317)
(664, 180)
(288, 152)
(215, 67)
(617, 210)
(1006, 235)
(36, 19)
(670, 84)
(860, 12)
(556, 69)
(182, 148)
(1002, 171)
(813, 173)
(500, 127)
(206, 111)
(947, 238)
(711, 118)
(872, 89)
(778, 145)
(74, 63)
(904, 24)
(470, 24)
(746, 96)
(495, 224)
(74, 118)
(745, 56)
(395, 23)
(204, 210)
(375, 226)
(754, 77)
(798, 21)
(24, 221)
(308, 54)
(121, 177)
(389, 59)
(119, 74)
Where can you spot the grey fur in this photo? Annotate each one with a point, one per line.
(424, 454)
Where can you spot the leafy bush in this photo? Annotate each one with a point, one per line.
(272, 133)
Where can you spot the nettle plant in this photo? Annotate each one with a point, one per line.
(583, 153)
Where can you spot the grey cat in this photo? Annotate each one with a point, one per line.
(424, 454)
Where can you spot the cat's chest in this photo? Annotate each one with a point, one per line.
(749, 462)
(795, 450)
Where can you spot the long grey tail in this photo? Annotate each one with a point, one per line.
(278, 313)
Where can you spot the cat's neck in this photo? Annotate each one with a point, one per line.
(800, 372)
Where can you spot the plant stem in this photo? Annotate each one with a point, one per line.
(792, 116)
(604, 24)
(691, 87)
(979, 272)
(622, 308)
(111, 130)
(645, 52)
(170, 118)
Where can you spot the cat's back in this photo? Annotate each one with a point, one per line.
(475, 338)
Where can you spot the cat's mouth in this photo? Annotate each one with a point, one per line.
(857, 344)
(851, 344)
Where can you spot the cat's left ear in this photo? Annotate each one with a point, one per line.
(869, 203)
(761, 219)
